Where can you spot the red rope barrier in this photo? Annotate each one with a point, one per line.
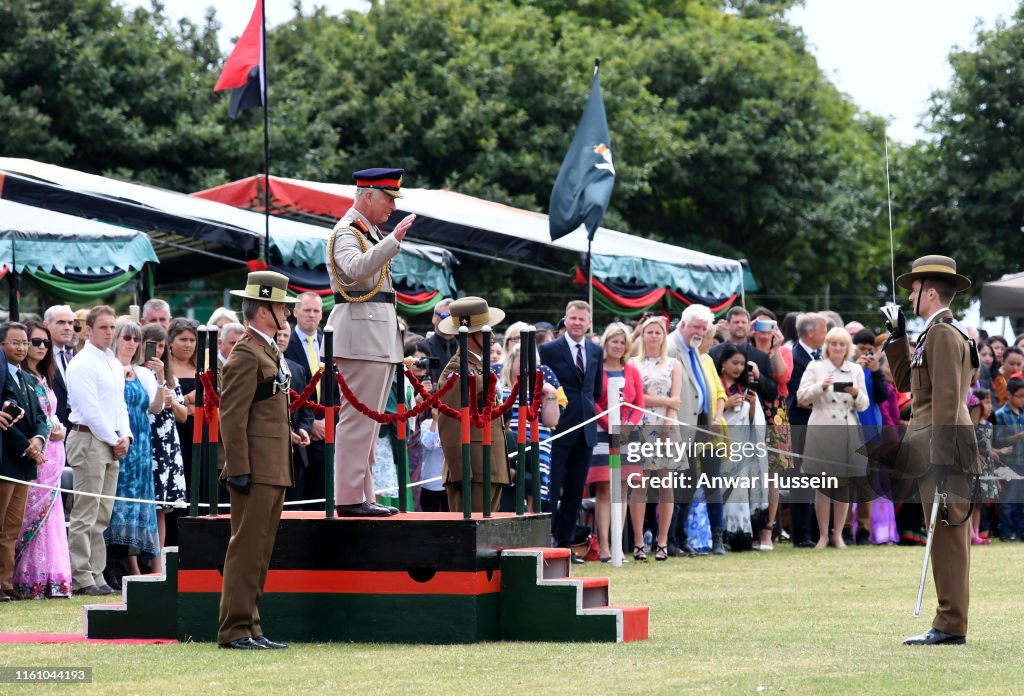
(211, 399)
(385, 418)
(300, 400)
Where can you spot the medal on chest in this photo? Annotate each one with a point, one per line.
(917, 358)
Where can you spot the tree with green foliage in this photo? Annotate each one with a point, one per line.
(961, 193)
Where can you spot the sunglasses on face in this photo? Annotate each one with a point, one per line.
(442, 315)
(40, 342)
(78, 327)
(133, 339)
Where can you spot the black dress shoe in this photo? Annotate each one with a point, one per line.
(269, 644)
(576, 560)
(107, 589)
(804, 544)
(242, 644)
(363, 509)
(90, 591)
(4, 597)
(934, 636)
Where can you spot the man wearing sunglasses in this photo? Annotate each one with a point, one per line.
(60, 320)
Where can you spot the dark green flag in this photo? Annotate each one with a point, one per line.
(584, 185)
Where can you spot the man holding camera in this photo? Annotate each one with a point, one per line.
(759, 364)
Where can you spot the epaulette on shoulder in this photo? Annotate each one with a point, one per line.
(360, 225)
(956, 325)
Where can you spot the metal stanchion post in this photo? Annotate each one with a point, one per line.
(403, 449)
(615, 386)
(199, 424)
(327, 389)
(210, 433)
(522, 461)
(467, 465)
(530, 343)
(485, 380)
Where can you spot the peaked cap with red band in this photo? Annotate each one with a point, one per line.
(387, 180)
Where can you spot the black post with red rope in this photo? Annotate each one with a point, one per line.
(403, 449)
(485, 403)
(523, 420)
(329, 409)
(198, 424)
(210, 435)
(529, 343)
(464, 417)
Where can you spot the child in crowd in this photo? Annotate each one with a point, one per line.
(1009, 432)
(979, 403)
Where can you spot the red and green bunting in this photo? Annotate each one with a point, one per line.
(629, 300)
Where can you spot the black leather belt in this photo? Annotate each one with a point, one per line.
(385, 296)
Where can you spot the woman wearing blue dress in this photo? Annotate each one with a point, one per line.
(133, 524)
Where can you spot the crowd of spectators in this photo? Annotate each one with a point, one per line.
(113, 398)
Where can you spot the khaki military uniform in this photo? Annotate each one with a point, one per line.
(450, 433)
(940, 440)
(256, 433)
(367, 346)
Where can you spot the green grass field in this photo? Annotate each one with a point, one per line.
(790, 621)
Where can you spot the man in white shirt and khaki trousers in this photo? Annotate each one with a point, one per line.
(100, 435)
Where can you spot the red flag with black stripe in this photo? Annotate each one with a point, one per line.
(245, 69)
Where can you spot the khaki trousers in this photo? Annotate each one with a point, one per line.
(13, 497)
(454, 491)
(254, 520)
(951, 554)
(95, 470)
(356, 434)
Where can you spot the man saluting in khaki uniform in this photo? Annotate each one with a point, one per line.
(256, 430)
(367, 340)
(940, 448)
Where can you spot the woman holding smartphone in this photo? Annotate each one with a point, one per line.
(744, 419)
(168, 466)
(834, 387)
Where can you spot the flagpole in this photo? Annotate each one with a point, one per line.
(590, 266)
(266, 136)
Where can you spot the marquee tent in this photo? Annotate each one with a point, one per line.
(195, 237)
(632, 273)
(71, 257)
(1003, 297)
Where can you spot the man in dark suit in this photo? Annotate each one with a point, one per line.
(23, 447)
(305, 348)
(60, 320)
(578, 364)
(811, 329)
(257, 468)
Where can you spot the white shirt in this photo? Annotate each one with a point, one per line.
(96, 394)
(574, 352)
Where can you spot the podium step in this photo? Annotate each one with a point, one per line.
(541, 602)
(149, 606)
